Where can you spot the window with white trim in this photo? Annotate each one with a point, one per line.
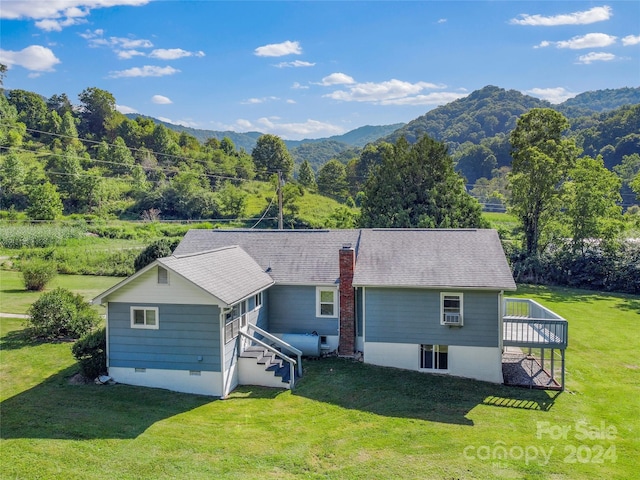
(327, 302)
(163, 276)
(235, 319)
(451, 309)
(257, 300)
(434, 357)
(145, 317)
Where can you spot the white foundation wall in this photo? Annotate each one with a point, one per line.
(480, 363)
(207, 383)
(252, 373)
(398, 355)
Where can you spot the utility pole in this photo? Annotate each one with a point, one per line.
(280, 185)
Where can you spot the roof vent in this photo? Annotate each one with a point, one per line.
(346, 246)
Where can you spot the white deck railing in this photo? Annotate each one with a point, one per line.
(282, 344)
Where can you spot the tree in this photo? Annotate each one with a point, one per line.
(98, 111)
(332, 180)
(541, 162)
(44, 202)
(417, 186)
(31, 108)
(306, 177)
(232, 201)
(590, 202)
(271, 155)
(476, 161)
(12, 178)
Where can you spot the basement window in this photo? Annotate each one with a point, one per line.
(434, 357)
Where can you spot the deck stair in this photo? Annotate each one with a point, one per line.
(271, 362)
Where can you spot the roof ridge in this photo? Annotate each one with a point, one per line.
(204, 252)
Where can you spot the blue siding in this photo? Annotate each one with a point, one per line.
(292, 309)
(398, 315)
(359, 311)
(186, 332)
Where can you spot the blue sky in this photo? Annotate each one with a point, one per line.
(314, 69)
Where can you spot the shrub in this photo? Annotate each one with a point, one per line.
(36, 274)
(91, 353)
(158, 249)
(61, 313)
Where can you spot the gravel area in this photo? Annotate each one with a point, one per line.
(523, 370)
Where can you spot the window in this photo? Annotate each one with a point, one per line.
(234, 320)
(144, 317)
(451, 309)
(257, 300)
(434, 357)
(163, 276)
(326, 302)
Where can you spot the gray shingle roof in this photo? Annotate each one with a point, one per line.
(432, 258)
(456, 258)
(292, 256)
(228, 273)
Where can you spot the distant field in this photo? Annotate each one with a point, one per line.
(345, 420)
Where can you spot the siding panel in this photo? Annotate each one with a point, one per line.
(395, 315)
(185, 333)
(292, 309)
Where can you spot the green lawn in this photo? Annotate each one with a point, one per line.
(344, 420)
(15, 299)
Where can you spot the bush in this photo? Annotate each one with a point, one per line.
(36, 274)
(158, 249)
(61, 314)
(91, 353)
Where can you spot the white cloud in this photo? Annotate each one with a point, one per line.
(290, 101)
(590, 40)
(434, 98)
(553, 95)
(123, 109)
(291, 131)
(392, 92)
(174, 53)
(128, 54)
(631, 40)
(161, 100)
(442, 20)
(596, 14)
(279, 49)
(146, 71)
(255, 101)
(337, 79)
(54, 15)
(295, 63)
(596, 57)
(298, 86)
(33, 57)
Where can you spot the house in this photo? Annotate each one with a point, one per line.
(234, 307)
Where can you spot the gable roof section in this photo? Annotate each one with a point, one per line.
(429, 258)
(289, 256)
(227, 273)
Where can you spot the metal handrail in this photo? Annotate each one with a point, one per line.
(542, 331)
(280, 343)
(291, 361)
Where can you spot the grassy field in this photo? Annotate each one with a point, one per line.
(15, 299)
(346, 420)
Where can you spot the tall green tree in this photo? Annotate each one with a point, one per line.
(306, 177)
(590, 200)
(44, 202)
(271, 155)
(31, 108)
(475, 161)
(332, 180)
(542, 159)
(98, 111)
(417, 186)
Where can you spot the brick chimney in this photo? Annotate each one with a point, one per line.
(347, 340)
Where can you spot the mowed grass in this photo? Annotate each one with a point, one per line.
(345, 420)
(15, 299)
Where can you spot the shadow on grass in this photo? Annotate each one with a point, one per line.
(406, 394)
(56, 409)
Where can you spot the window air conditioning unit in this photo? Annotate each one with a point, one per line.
(452, 319)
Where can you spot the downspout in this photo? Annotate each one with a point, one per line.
(223, 370)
